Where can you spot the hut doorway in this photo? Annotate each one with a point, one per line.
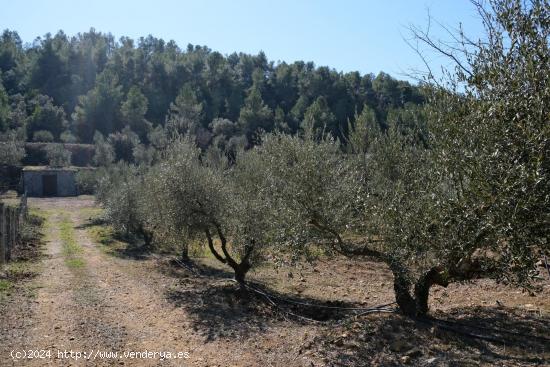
(49, 185)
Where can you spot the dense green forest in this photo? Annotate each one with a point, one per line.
(65, 89)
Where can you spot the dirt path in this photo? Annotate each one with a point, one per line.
(105, 305)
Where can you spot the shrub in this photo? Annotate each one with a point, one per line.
(42, 136)
(58, 156)
(123, 144)
(12, 151)
(68, 137)
(121, 192)
(104, 153)
(45, 116)
(144, 155)
(86, 181)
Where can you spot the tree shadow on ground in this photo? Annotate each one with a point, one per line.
(219, 308)
(132, 251)
(118, 244)
(500, 333)
(461, 337)
(92, 222)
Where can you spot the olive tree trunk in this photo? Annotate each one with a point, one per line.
(240, 269)
(415, 304)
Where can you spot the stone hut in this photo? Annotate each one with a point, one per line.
(49, 181)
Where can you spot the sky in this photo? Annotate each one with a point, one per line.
(363, 35)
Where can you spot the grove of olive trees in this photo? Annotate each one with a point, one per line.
(452, 190)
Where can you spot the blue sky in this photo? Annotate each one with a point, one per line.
(346, 35)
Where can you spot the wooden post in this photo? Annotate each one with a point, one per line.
(3, 237)
(17, 219)
(13, 227)
(10, 226)
(23, 208)
(9, 232)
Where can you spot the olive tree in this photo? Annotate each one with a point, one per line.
(405, 196)
(367, 203)
(314, 191)
(122, 193)
(183, 188)
(250, 220)
(475, 201)
(199, 199)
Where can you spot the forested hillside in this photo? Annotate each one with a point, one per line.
(66, 88)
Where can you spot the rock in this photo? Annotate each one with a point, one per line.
(405, 359)
(432, 360)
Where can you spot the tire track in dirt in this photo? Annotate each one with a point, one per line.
(132, 304)
(67, 311)
(136, 297)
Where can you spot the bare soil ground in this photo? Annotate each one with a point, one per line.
(128, 300)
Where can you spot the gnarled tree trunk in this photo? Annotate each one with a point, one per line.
(240, 269)
(415, 305)
(412, 304)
